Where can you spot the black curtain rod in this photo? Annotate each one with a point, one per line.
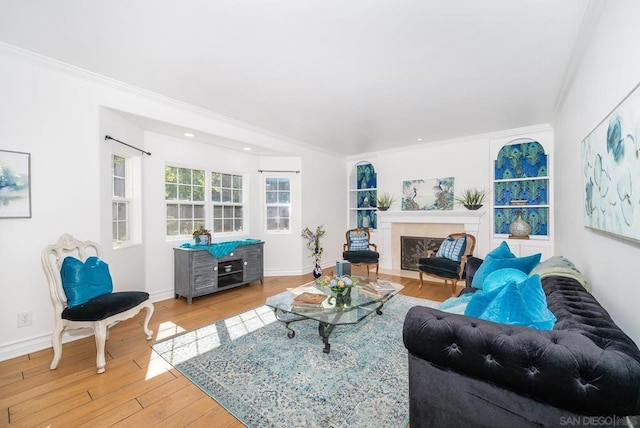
(272, 170)
(109, 137)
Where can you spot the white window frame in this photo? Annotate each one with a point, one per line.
(268, 206)
(234, 204)
(193, 221)
(125, 200)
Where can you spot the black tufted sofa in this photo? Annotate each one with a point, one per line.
(465, 371)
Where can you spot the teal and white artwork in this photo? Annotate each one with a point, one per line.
(427, 194)
(15, 187)
(611, 171)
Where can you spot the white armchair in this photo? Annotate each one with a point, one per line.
(99, 313)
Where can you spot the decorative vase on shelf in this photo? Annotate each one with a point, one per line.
(473, 207)
(519, 228)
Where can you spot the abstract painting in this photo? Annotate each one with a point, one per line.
(15, 188)
(611, 170)
(427, 194)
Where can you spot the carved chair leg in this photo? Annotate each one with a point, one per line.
(100, 332)
(420, 286)
(377, 267)
(149, 307)
(454, 283)
(56, 342)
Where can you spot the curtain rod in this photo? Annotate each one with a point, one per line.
(272, 170)
(109, 137)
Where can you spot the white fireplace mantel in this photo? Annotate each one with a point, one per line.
(386, 219)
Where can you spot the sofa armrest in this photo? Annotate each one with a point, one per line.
(560, 367)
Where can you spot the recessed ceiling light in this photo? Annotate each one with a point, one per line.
(189, 134)
(246, 149)
(419, 139)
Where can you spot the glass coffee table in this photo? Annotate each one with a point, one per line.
(362, 304)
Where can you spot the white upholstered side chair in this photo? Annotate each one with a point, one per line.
(98, 313)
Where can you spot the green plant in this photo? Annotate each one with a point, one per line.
(385, 200)
(472, 197)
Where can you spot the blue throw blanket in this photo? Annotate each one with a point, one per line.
(220, 249)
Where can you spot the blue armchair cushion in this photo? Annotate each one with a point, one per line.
(361, 256)
(452, 249)
(491, 264)
(84, 281)
(522, 303)
(358, 241)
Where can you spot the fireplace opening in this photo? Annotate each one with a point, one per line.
(414, 247)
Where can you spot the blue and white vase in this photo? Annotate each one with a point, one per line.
(317, 271)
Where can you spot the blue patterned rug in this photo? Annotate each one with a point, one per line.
(248, 365)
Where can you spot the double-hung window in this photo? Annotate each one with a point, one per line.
(278, 203)
(185, 200)
(121, 200)
(227, 198)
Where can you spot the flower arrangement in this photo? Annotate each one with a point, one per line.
(337, 284)
(313, 241)
(201, 231)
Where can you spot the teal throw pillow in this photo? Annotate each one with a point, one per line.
(502, 251)
(452, 249)
(502, 277)
(490, 264)
(521, 303)
(358, 241)
(85, 281)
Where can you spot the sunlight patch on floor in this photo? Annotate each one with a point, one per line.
(246, 322)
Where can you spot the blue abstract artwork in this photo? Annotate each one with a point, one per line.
(611, 171)
(15, 189)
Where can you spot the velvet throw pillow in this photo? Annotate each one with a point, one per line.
(502, 277)
(85, 281)
(522, 303)
(502, 251)
(491, 264)
(452, 249)
(358, 241)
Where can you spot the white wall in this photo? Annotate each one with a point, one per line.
(609, 69)
(60, 115)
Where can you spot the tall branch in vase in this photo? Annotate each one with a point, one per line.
(313, 244)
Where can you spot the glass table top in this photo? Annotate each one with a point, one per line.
(362, 303)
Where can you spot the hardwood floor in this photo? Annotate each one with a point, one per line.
(138, 388)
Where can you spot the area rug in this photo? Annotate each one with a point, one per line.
(249, 365)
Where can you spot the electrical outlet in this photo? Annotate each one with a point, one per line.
(24, 319)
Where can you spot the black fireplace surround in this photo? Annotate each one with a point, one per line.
(468, 372)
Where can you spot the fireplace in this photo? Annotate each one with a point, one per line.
(394, 224)
(414, 247)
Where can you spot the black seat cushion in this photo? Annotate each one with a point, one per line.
(105, 306)
(439, 266)
(361, 256)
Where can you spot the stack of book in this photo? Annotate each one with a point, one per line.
(377, 288)
(308, 301)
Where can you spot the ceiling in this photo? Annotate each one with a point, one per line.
(351, 77)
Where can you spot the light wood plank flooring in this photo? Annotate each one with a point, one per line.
(138, 387)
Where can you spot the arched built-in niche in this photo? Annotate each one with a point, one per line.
(363, 196)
